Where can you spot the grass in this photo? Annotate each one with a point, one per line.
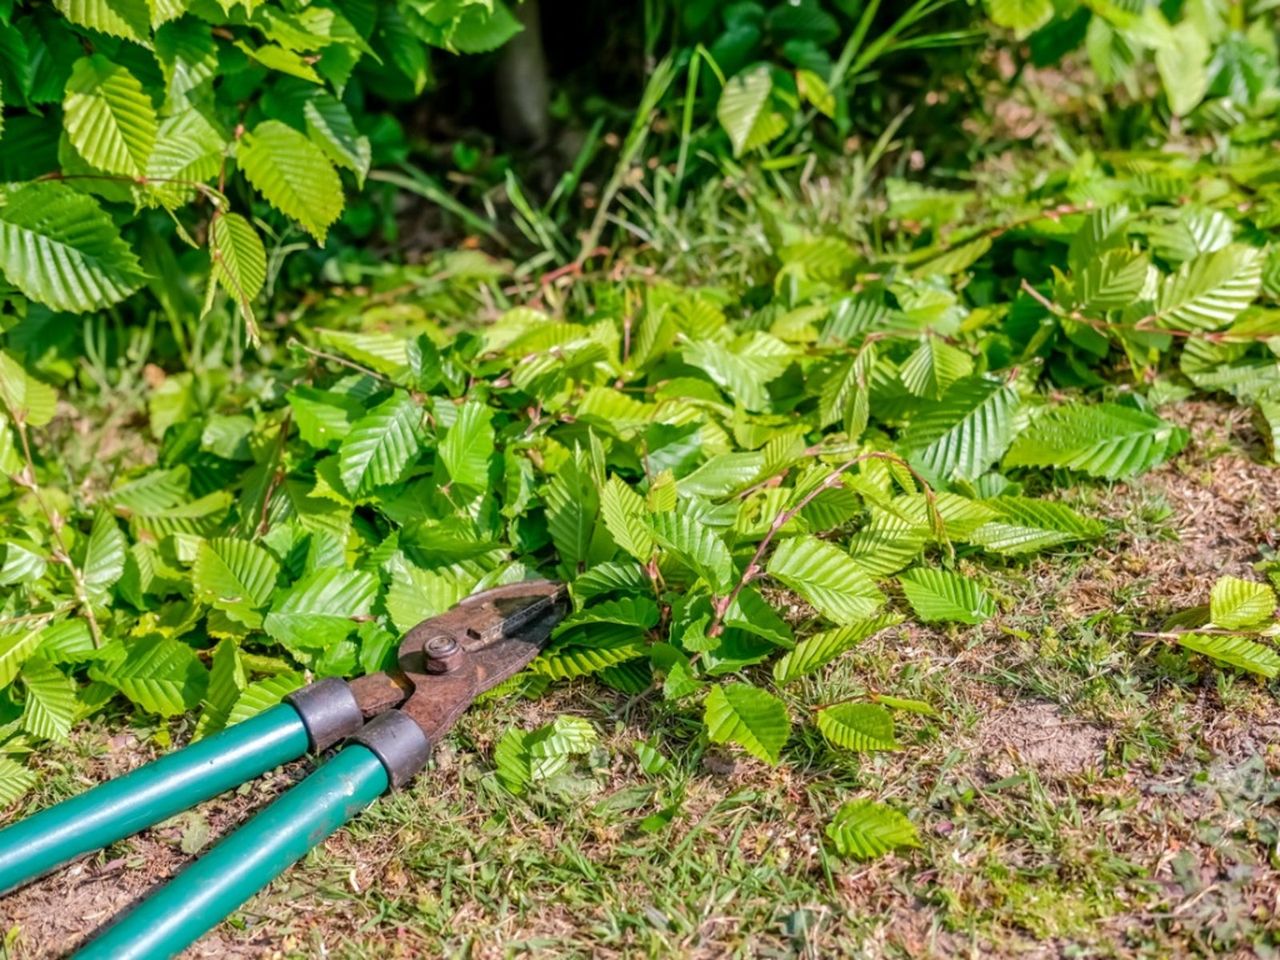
(1080, 793)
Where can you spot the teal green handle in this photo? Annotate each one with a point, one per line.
(178, 914)
(149, 794)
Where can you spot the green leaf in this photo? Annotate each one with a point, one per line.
(127, 19)
(815, 652)
(227, 681)
(1023, 16)
(16, 649)
(1237, 604)
(239, 261)
(933, 367)
(827, 577)
(103, 557)
(748, 716)
(628, 611)
(50, 704)
(1023, 525)
(15, 781)
(581, 655)
(380, 445)
(1102, 440)
(862, 727)
(324, 417)
(330, 125)
(940, 595)
(234, 576)
(188, 150)
(1238, 652)
(696, 546)
(624, 511)
(160, 675)
(108, 117)
(1112, 280)
(293, 174)
(573, 503)
(481, 30)
(964, 433)
(318, 611)
(59, 248)
(1182, 65)
(744, 110)
(744, 367)
(1209, 291)
(261, 694)
(468, 445)
(27, 399)
(864, 830)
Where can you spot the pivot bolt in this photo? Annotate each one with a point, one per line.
(443, 654)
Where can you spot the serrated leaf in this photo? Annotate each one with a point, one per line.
(318, 611)
(1023, 525)
(27, 399)
(127, 19)
(862, 727)
(227, 681)
(965, 432)
(239, 262)
(16, 649)
(1102, 440)
(468, 445)
(1112, 280)
(1237, 604)
(573, 503)
(864, 830)
(108, 117)
(50, 702)
(624, 511)
(293, 174)
(323, 417)
(15, 781)
(59, 248)
(638, 612)
(933, 367)
(160, 675)
(330, 125)
(815, 652)
(827, 577)
(940, 595)
(696, 546)
(234, 576)
(743, 714)
(743, 367)
(188, 150)
(744, 110)
(103, 558)
(590, 650)
(1020, 15)
(380, 445)
(262, 694)
(1209, 291)
(1239, 652)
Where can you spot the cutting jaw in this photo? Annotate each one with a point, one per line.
(448, 661)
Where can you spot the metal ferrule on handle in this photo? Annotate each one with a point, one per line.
(177, 914)
(146, 796)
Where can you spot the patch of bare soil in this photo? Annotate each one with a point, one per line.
(1037, 735)
(1224, 501)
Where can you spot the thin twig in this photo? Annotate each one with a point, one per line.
(1144, 325)
(58, 554)
(343, 361)
(830, 482)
